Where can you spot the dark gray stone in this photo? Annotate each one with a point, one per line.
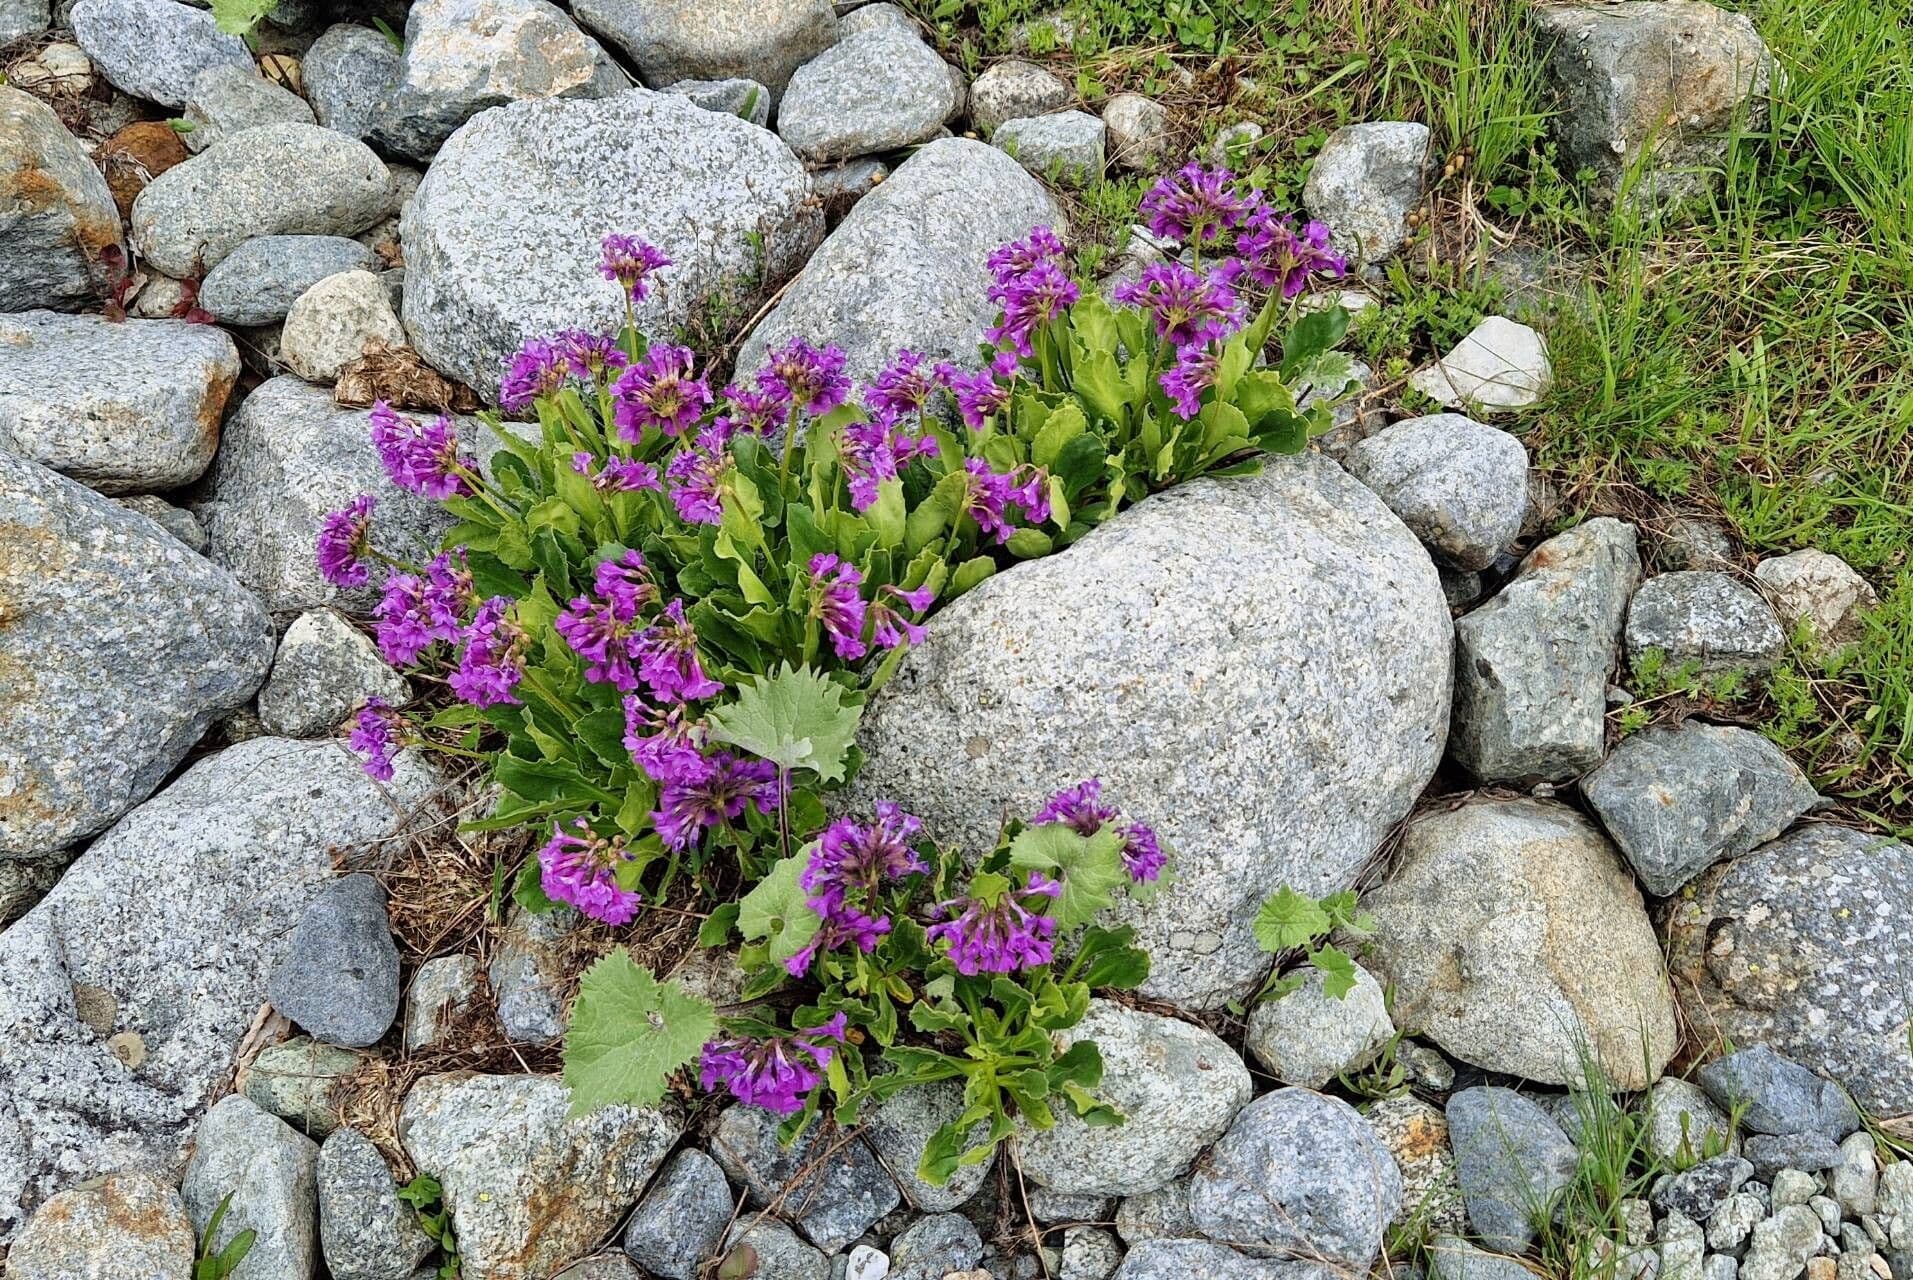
(1778, 1095)
(1709, 620)
(836, 1202)
(1809, 1152)
(258, 282)
(934, 1245)
(154, 48)
(1698, 1191)
(51, 247)
(349, 72)
(365, 1231)
(682, 1217)
(745, 99)
(1677, 800)
(340, 980)
(1511, 1160)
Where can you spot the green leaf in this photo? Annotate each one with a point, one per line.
(1289, 920)
(1106, 958)
(239, 17)
(777, 913)
(1338, 971)
(1064, 424)
(969, 573)
(795, 718)
(629, 1032)
(1309, 337)
(1090, 867)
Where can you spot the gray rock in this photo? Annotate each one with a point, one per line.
(1050, 1207)
(1301, 583)
(1234, 145)
(1066, 147)
(270, 1171)
(1683, 1122)
(1782, 1244)
(1733, 1220)
(349, 72)
(1162, 1214)
(1499, 365)
(324, 669)
(51, 246)
(743, 98)
(126, 1226)
(529, 1186)
(258, 282)
(95, 589)
(1677, 800)
(1138, 131)
(1511, 1160)
(1178, 1085)
(1309, 1037)
(442, 992)
(331, 324)
(154, 48)
(1771, 1153)
(1821, 591)
(1090, 1253)
(1452, 1258)
(900, 1128)
(1460, 485)
(299, 1080)
(1416, 1135)
(1718, 1266)
(1016, 90)
(1778, 1095)
(340, 979)
(1792, 1186)
(1300, 1173)
(24, 881)
(182, 524)
(1516, 940)
(776, 1250)
(934, 1245)
(502, 239)
(606, 1266)
(1708, 619)
(906, 269)
(122, 408)
(1855, 1180)
(228, 98)
(1531, 665)
(23, 18)
(530, 973)
(875, 91)
(1682, 1250)
(836, 1201)
(1785, 946)
(365, 1231)
(1688, 543)
(870, 16)
(1364, 184)
(463, 56)
(1671, 78)
(764, 40)
(272, 180)
(1698, 1191)
(840, 188)
(289, 456)
(1182, 1259)
(682, 1217)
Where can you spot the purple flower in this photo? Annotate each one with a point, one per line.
(1143, 855)
(904, 385)
(776, 1074)
(666, 653)
(420, 457)
(538, 369)
(618, 475)
(625, 584)
(1041, 247)
(629, 261)
(1193, 204)
(1080, 807)
(877, 451)
(986, 498)
(889, 625)
(1273, 255)
(375, 736)
(837, 602)
(490, 663)
(344, 542)
(1188, 307)
(852, 861)
(665, 741)
(579, 867)
(414, 612)
(659, 391)
(697, 479)
(589, 355)
(595, 633)
(1184, 382)
(720, 796)
(1003, 933)
(1036, 297)
(811, 379)
(756, 410)
(848, 927)
(982, 394)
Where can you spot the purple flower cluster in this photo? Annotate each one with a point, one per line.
(1001, 933)
(1194, 204)
(659, 390)
(712, 795)
(802, 375)
(1028, 281)
(630, 261)
(848, 870)
(777, 1073)
(344, 544)
(904, 386)
(983, 394)
(621, 646)
(991, 494)
(1083, 810)
(490, 657)
(375, 735)
(539, 368)
(837, 602)
(1189, 308)
(579, 867)
(697, 476)
(589, 356)
(876, 451)
(422, 458)
(665, 739)
(1273, 255)
(415, 612)
(617, 475)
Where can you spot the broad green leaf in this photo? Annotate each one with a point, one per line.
(1338, 971)
(1063, 425)
(1090, 867)
(629, 1032)
(795, 718)
(1289, 920)
(776, 911)
(969, 573)
(1309, 337)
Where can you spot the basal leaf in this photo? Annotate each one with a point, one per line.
(795, 718)
(629, 1032)
(776, 912)
(1289, 920)
(1338, 971)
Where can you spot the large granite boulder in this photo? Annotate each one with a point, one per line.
(123, 408)
(1516, 940)
(1258, 667)
(57, 215)
(125, 993)
(878, 90)
(502, 239)
(154, 48)
(669, 41)
(1806, 944)
(118, 647)
(126, 1226)
(906, 267)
